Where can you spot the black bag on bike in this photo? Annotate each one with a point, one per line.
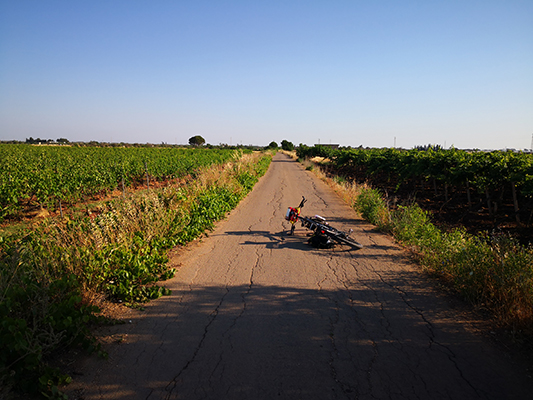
(320, 241)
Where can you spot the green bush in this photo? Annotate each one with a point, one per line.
(37, 317)
(493, 271)
(371, 205)
(411, 225)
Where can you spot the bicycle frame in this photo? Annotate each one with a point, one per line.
(293, 214)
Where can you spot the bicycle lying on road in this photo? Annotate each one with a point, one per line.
(324, 235)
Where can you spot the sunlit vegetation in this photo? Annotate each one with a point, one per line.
(50, 176)
(57, 275)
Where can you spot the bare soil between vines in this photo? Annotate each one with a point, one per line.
(32, 211)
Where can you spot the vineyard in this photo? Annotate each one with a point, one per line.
(49, 175)
(480, 190)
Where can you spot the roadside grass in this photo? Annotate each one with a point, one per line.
(57, 276)
(493, 272)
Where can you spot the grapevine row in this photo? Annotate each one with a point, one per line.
(486, 173)
(48, 174)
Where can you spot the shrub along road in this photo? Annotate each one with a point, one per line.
(257, 314)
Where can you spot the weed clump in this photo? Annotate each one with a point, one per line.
(372, 207)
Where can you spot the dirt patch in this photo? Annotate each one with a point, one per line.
(33, 212)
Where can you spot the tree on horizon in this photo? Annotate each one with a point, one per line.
(196, 140)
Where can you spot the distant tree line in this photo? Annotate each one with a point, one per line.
(193, 141)
(427, 147)
(31, 140)
(285, 145)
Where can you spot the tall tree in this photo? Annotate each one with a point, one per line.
(197, 140)
(286, 145)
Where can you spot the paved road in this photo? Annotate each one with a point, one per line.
(256, 314)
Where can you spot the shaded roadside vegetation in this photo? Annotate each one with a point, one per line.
(492, 271)
(56, 276)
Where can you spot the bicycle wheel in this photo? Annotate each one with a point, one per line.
(345, 239)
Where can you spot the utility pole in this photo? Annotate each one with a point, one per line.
(394, 141)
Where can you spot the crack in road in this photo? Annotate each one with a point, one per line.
(169, 388)
(346, 388)
(245, 294)
(431, 336)
(226, 333)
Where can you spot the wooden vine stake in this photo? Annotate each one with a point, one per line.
(468, 194)
(147, 176)
(488, 200)
(515, 201)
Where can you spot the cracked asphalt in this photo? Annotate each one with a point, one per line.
(257, 314)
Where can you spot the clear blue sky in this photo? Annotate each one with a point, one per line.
(349, 72)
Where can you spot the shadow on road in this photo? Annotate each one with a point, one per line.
(280, 240)
(369, 339)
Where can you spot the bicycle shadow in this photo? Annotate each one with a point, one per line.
(283, 240)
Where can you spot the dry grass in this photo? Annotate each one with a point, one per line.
(348, 191)
(291, 154)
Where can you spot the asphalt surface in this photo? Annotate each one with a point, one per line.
(257, 314)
